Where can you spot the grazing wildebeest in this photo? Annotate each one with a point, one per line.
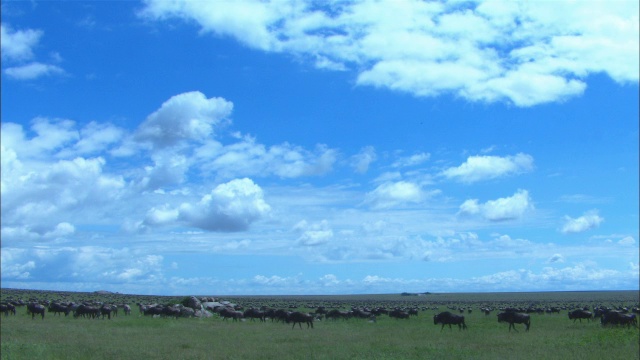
(335, 314)
(35, 308)
(57, 308)
(298, 317)
(171, 311)
(254, 314)
(515, 318)
(87, 311)
(6, 308)
(362, 314)
(398, 314)
(579, 315)
(447, 318)
(127, 309)
(618, 318)
(106, 310)
(230, 313)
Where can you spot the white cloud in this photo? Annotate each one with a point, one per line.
(413, 160)
(168, 169)
(392, 194)
(502, 209)
(248, 158)
(519, 52)
(363, 159)
(627, 240)
(17, 48)
(231, 206)
(555, 258)
(32, 71)
(313, 234)
(94, 138)
(478, 168)
(18, 44)
(185, 117)
(50, 137)
(588, 221)
(55, 190)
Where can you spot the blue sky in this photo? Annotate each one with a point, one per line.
(281, 147)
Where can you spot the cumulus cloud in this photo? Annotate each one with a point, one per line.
(519, 52)
(313, 234)
(502, 209)
(627, 240)
(101, 265)
(555, 258)
(413, 160)
(17, 49)
(18, 44)
(478, 168)
(61, 187)
(95, 138)
(249, 158)
(32, 71)
(231, 206)
(392, 194)
(588, 221)
(51, 136)
(363, 159)
(185, 117)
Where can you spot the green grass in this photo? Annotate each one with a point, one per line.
(136, 337)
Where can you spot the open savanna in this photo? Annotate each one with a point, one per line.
(552, 336)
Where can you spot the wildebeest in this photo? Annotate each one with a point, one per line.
(35, 308)
(298, 317)
(515, 318)
(170, 311)
(230, 313)
(106, 310)
(127, 309)
(618, 318)
(254, 314)
(398, 314)
(579, 315)
(57, 308)
(87, 311)
(335, 314)
(6, 308)
(447, 318)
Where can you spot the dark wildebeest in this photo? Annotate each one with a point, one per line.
(230, 313)
(515, 318)
(57, 308)
(106, 310)
(398, 314)
(298, 317)
(254, 314)
(6, 308)
(447, 318)
(618, 318)
(579, 315)
(171, 311)
(335, 314)
(35, 308)
(87, 311)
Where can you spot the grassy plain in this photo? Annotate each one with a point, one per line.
(552, 336)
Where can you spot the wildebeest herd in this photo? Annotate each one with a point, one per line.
(208, 306)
